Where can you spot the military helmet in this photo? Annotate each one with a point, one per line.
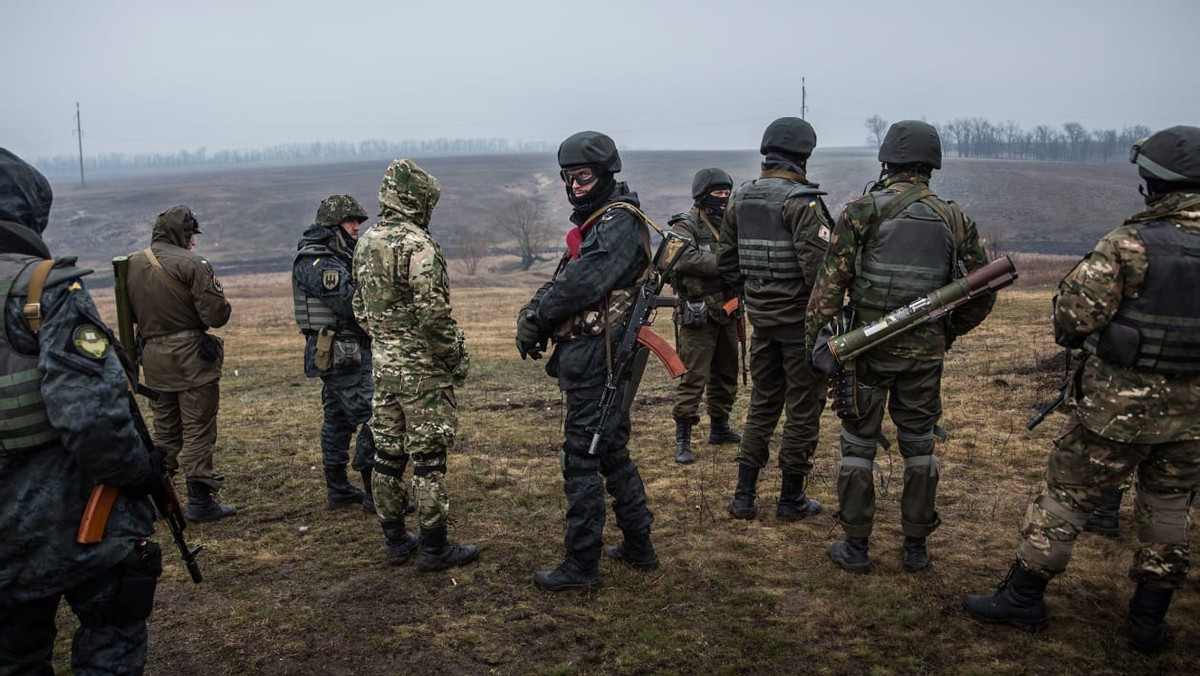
(912, 142)
(707, 180)
(1171, 155)
(589, 148)
(790, 136)
(337, 209)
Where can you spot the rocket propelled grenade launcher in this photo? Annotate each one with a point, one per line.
(991, 277)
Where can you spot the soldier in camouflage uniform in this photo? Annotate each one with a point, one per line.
(584, 309)
(772, 240)
(322, 297)
(67, 425)
(403, 300)
(895, 244)
(707, 335)
(1133, 404)
(174, 298)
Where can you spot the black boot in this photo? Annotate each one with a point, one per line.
(202, 504)
(915, 555)
(636, 551)
(569, 575)
(742, 504)
(400, 543)
(793, 503)
(368, 501)
(683, 443)
(719, 432)
(338, 491)
(438, 553)
(851, 554)
(1018, 601)
(1105, 520)
(1147, 608)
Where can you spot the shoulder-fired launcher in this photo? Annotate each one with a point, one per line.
(991, 277)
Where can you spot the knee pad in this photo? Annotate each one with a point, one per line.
(390, 465)
(428, 463)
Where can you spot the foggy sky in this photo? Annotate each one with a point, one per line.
(165, 75)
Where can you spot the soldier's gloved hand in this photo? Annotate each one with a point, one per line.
(530, 342)
(459, 374)
(154, 484)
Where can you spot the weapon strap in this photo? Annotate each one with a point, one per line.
(33, 300)
(158, 266)
(711, 228)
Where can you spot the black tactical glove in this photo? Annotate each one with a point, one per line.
(531, 342)
(154, 485)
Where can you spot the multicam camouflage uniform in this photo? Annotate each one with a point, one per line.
(1123, 418)
(403, 300)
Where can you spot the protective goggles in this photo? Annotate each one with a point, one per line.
(583, 175)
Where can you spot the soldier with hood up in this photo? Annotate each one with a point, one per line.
(174, 298)
(67, 425)
(403, 301)
(336, 348)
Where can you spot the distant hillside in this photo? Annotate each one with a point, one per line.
(251, 217)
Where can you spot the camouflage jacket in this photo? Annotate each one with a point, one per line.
(403, 289)
(696, 276)
(851, 234)
(777, 306)
(1116, 402)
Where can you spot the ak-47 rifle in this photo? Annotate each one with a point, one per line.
(1043, 411)
(736, 307)
(637, 335)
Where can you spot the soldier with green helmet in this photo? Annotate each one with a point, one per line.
(420, 355)
(336, 348)
(896, 243)
(772, 240)
(707, 334)
(1133, 404)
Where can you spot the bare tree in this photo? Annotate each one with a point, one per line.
(473, 247)
(524, 219)
(994, 243)
(877, 130)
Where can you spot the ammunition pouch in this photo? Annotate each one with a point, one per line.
(693, 314)
(1116, 344)
(347, 353)
(211, 348)
(324, 356)
(139, 576)
(843, 392)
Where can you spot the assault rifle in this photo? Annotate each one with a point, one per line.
(1043, 411)
(736, 307)
(637, 334)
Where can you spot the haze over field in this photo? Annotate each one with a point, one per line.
(155, 77)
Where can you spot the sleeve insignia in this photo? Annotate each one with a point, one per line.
(217, 285)
(330, 279)
(823, 233)
(90, 341)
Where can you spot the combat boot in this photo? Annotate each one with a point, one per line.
(793, 503)
(438, 553)
(368, 501)
(338, 491)
(1018, 601)
(683, 443)
(399, 542)
(202, 504)
(1147, 608)
(742, 504)
(569, 575)
(915, 555)
(719, 432)
(1106, 520)
(851, 554)
(636, 551)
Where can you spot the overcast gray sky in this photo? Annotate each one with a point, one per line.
(166, 75)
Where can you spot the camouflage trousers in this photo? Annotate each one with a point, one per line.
(421, 426)
(710, 353)
(346, 400)
(1084, 468)
(910, 390)
(185, 424)
(782, 384)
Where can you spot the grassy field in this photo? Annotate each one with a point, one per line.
(292, 588)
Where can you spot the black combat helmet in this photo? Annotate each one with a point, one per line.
(912, 142)
(589, 148)
(707, 180)
(1171, 155)
(790, 136)
(337, 209)
(25, 194)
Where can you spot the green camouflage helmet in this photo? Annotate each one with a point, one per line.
(1171, 155)
(707, 180)
(408, 193)
(337, 209)
(790, 136)
(589, 148)
(912, 142)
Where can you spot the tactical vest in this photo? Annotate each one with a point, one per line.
(908, 253)
(765, 246)
(310, 313)
(693, 287)
(24, 426)
(1166, 315)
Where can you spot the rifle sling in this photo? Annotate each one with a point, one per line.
(33, 299)
(158, 266)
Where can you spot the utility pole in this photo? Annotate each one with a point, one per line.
(803, 99)
(79, 134)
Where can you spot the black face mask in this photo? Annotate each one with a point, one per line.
(595, 197)
(714, 206)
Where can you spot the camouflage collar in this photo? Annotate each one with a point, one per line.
(1172, 204)
(910, 177)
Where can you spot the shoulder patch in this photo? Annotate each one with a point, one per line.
(330, 279)
(90, 341)
(824, 233)
(217, 285)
